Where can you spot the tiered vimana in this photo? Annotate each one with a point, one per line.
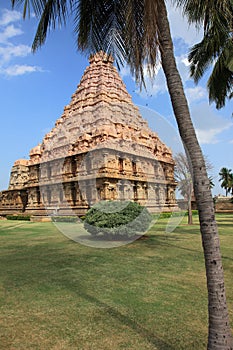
(100, 149)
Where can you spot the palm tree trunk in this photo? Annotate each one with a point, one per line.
(219, 336)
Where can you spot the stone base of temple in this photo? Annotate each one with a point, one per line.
(10, 211)
(35, 218)
(75, 211)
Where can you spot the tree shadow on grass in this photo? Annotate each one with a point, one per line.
(167, 241)
(150, 337)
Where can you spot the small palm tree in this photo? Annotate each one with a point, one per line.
(226, 177)
(211, 182)
(231, 184)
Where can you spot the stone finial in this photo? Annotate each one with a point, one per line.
(101, 56)
(35, 151)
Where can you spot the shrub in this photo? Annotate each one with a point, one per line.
(18, 217)
(65, 218)
(118, 219)
(167, 215)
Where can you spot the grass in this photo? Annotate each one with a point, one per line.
(150, 294)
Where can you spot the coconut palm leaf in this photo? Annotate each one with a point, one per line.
(216, 47)
(220, 83)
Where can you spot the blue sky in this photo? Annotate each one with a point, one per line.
(36, 87)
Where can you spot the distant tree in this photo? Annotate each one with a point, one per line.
(183, 175)
(185, 184)
(226, 177)
(211, 182)
(231, 184)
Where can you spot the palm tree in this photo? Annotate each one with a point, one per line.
(216, 47)
(138, 32)
(231, 184)
(211, 182)
(226, 177)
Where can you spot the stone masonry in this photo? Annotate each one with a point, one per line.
(99, 149)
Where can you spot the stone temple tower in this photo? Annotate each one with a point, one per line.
(99, 149)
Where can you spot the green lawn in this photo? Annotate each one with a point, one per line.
(150, 294)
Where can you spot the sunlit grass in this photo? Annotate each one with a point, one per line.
(150, 294)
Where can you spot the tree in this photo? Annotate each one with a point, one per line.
(216, 47)
(231, 184)
(183, 176)
(184, 179)
(226, 177)
(138, 32)
(211, 182)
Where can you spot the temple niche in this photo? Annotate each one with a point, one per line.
(99, 149)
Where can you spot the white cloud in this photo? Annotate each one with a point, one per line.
(8, 17)
(17, 70)
(208, 124)
(195, 94)
(153, 87)
(125, 71)
(159, 85)
(183, 68)
(9, 32)
(209, 136)
(10, 51)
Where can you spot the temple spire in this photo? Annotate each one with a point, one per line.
(100, 110)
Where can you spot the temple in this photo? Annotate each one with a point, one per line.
(99, 149)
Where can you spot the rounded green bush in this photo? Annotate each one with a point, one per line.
(118, 219)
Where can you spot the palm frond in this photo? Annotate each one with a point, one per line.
(36, 5)
(112, 41)
(126, 29)
(142, 41)
(200, 59)
(54, 13)
(134, 37)
(220, 83)
(207, 13)
(99, 26)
